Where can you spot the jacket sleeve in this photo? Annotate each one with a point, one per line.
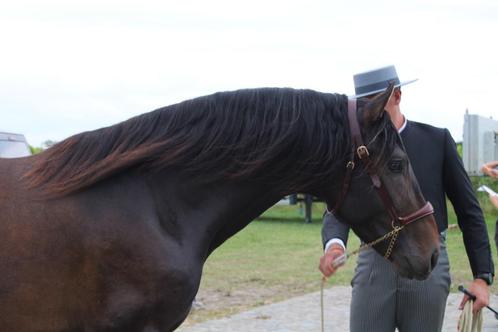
(332, 228)
(469, 214)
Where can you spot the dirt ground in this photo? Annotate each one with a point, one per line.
(216, 303)
(302, 313)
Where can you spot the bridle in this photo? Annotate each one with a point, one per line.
(359, 149)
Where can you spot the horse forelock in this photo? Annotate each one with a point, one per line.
(272, 134)
(387, 138)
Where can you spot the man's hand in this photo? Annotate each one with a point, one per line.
(494, 200)
(326, 266)
(490, 169)
(481, 290)
(492, 173)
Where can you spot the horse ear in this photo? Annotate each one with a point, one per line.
(375, 108)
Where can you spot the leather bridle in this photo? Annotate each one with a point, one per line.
(360, 150)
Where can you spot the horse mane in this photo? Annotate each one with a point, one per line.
(275, 134)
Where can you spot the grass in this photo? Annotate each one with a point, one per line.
(276, 257)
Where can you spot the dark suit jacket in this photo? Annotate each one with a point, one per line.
(439, 171)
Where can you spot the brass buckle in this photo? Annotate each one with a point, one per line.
(362, 151)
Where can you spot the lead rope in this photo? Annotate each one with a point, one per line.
(468, 322)
(393, 234)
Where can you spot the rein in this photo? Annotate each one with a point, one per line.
(360, 150)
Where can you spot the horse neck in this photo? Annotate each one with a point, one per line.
(240, 204)
(206, 215)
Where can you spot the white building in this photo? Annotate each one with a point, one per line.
(480, 142)
(13, 145)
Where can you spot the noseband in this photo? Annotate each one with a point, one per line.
(360, 150)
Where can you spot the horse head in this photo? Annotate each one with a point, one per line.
(383, 194)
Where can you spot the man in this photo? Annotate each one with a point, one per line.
(382, 300)
(491, 169)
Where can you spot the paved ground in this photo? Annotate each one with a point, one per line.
(303, 314)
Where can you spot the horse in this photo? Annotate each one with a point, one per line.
(109, 229)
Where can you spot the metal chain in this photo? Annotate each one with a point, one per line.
(391, 243)
(393, 233)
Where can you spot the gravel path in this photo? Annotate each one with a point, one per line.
(303, 314)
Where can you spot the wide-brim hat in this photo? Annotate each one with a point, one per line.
(375, 81)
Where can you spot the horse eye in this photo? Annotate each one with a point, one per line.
(395, 165)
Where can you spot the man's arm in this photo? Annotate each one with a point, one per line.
(332, 229)
(494, 200)
(471, 221)
(469, 214)
(334, 238)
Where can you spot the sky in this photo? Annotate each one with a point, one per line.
(73, 66)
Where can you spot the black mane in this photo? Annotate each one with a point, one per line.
(271, 134)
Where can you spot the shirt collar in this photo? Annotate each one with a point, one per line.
(403, 126)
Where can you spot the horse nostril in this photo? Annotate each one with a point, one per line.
(434, 258)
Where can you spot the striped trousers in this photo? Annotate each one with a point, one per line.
(383, 301)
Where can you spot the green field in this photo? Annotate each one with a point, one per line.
(276, 257)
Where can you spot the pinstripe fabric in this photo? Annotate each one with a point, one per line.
(383, 301)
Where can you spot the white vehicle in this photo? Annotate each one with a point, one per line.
(13, 145)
